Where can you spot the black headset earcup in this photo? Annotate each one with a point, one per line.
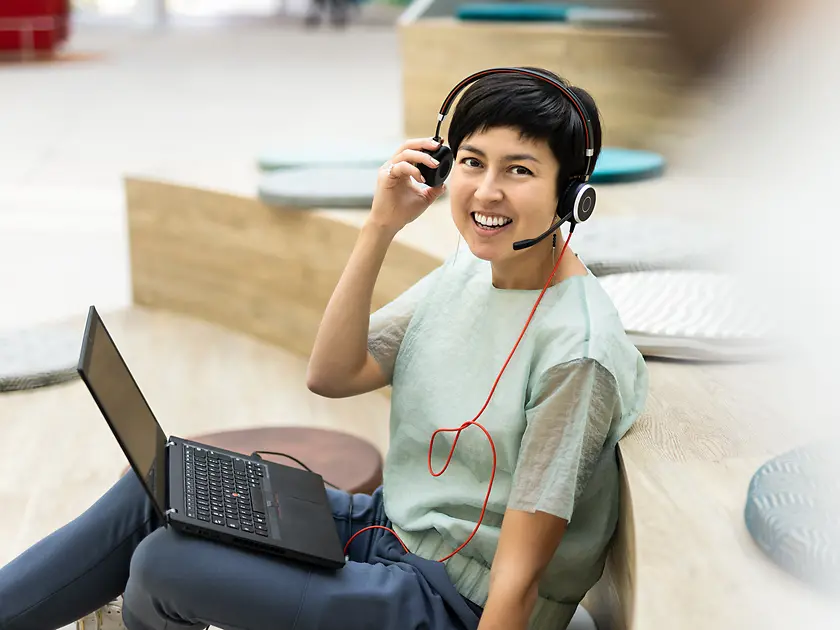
(436, 176)
(578, 202)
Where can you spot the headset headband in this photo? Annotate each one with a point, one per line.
(587, 123)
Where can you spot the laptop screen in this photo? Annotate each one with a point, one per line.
(125, 409)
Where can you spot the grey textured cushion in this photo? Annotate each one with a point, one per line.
(320, 187)
(793, 513)
(615, 244)
(692, 315)
(39, 356)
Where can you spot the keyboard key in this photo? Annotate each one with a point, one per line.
(247, 528)
(233, 524)
(218, 521)
(262, 533)
(204, 517)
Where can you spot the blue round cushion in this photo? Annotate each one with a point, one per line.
(617, 165)
(313, 155)
(514, 12)
(793, 513)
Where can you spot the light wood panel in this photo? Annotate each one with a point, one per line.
(681, 559)
(625, 70)
(234, 261)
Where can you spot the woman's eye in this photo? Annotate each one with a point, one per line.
(521, 170)
(471, 162)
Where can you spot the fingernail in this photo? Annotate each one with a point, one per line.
(435, 161)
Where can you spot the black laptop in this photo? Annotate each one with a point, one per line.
(205, 491)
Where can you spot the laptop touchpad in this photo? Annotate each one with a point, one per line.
(300, 484)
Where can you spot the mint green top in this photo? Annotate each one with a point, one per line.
(573, 388)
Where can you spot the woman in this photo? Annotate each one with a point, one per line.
(515, 529)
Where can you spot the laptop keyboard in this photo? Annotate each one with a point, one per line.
(224, 490)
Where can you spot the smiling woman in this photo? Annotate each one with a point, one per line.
(523, 518)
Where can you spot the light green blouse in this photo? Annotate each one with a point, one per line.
(573, 388)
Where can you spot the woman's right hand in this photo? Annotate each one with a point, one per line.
(398, 200)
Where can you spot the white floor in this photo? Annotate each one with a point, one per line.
(182, 104)
(178, 104)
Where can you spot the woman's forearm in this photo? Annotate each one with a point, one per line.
(340, 348)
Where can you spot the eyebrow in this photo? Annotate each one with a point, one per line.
(509, 158)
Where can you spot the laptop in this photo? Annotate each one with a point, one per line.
(205, 491)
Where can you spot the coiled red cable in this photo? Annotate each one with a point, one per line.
(475, 422)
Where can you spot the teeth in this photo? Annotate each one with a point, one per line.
(491, 221)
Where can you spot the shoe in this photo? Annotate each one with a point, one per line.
(109, 617)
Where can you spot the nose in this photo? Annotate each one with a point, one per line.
(488, 190)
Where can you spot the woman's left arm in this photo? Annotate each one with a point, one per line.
(568, 421)
(526, 545)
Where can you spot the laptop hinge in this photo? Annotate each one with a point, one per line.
(168, 444)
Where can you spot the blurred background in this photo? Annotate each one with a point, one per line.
(198, 170)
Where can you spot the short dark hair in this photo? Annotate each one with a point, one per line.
(534, 107)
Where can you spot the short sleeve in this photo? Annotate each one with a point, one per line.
(568, 423)
(388, 324)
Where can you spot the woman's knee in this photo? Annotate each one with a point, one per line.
(160, 562)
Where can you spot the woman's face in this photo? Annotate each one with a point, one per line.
(502, 189)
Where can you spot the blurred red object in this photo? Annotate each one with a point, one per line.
(36, 26)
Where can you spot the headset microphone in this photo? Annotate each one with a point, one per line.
(533, 241)
(581, 210)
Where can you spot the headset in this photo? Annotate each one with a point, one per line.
(576, 203)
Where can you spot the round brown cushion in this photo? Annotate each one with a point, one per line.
(349, 462)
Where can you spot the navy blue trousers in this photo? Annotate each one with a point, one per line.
(172, 580)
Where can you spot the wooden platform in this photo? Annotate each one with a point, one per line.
(682, 557)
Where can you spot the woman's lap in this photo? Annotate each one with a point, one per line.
(189, 582)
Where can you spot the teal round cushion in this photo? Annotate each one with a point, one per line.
(312, 155)
(513, 12)
(793, 513)
(617, 165)
(320, 187)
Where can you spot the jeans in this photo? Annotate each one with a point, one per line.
(171, 580)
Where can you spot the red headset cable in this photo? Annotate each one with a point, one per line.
(474, 421)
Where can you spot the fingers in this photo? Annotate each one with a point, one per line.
(416, 157)
(417, 144)
(403, 169)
